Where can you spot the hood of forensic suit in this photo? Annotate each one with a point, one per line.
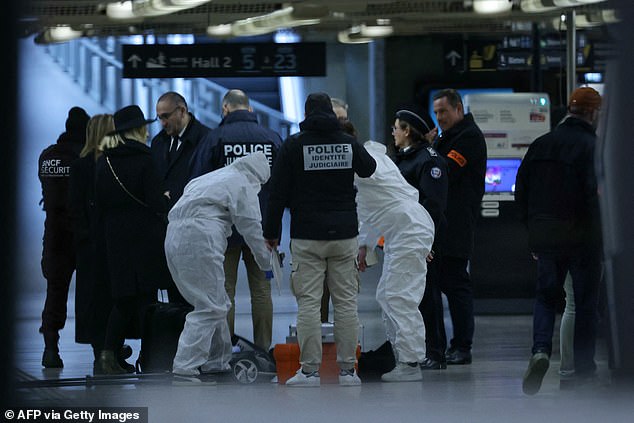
(375, 148)
(255, 167)
(388, 205)
(386, 183)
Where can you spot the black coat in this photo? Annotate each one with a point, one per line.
(425, 170)
(464, 149)
(134, 232)
(556, 190)
(58, 253)
(314, 176)
(92, 289)
(54, 170)
(81, 198)
(176, 174)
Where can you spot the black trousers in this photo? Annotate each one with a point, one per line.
(456, 284)
(126, 312)
(585, 270)
(58, 265)
(431, 307)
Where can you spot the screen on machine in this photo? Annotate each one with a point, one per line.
(500, 175)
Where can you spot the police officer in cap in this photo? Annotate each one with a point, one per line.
(425, 170)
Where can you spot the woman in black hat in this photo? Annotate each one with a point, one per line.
(131, 205)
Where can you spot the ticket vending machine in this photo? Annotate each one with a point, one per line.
(502, 268)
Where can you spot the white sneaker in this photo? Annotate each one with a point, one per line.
(304, 380)
(403, 372)
(349, 378)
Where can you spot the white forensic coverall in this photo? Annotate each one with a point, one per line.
(196, 240)
(387, 205)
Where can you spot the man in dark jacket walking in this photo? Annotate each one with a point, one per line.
(58, 254)
(556, 191)
(239, 135)
(172, 151)
(463, 146)
(314, 177)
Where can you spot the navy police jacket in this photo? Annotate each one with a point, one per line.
(314, 177)
(425, 170)
(238, 135)
(464, 149)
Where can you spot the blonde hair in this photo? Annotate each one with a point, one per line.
(110, 141)
(139, 134)
(97, 128)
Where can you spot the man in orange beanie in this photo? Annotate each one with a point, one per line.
(556, 190)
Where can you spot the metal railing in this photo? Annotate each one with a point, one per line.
(92, 63)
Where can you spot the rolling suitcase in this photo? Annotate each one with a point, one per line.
(162, 326)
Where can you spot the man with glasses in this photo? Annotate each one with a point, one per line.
(173, 148)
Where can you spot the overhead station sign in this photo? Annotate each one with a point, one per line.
(516, 52)
(223, 59)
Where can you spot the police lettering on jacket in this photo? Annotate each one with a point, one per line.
(327, 156)
(234, 151)
(54, 168)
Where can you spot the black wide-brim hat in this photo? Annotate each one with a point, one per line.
(129, 117)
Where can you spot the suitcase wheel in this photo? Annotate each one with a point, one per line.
(245, 371)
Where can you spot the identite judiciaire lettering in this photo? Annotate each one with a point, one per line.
(327, 156)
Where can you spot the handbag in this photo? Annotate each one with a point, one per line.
(123, 186)
(161, 216)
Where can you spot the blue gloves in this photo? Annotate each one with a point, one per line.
(268, 274)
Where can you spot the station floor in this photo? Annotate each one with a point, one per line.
(489, 390)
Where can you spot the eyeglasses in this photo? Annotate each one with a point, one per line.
(165, 116)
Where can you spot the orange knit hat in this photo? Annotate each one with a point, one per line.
(584, 99)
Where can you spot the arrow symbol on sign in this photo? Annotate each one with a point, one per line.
(452, 56)
(135, 60)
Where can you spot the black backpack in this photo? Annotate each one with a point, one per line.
(373, 363)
